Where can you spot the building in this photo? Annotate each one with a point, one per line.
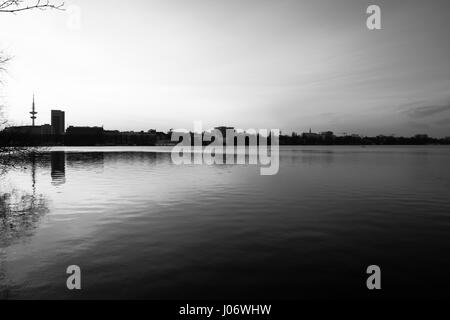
(84, 136)
(327, 135)
(84, 131)
(310, 135)
(45, 129)
(58, 122)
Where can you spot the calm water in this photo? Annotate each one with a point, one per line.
(142, 227)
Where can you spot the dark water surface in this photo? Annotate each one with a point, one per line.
(141, 227)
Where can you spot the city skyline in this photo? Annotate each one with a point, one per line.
(290, 65)
(59, 126)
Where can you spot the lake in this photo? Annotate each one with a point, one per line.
(140, 226)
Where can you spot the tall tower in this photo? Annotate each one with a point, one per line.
(58, 122)
(33, 112)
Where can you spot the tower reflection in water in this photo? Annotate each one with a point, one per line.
(58, 167)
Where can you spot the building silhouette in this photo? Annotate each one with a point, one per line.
(45, 129)
(32, 134)
(58, 122)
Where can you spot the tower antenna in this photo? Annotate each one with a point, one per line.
(33, 112)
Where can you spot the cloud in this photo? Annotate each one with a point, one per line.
(443, 122)
(418, 125)
(426, 111)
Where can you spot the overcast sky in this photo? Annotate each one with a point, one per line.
(281, 64)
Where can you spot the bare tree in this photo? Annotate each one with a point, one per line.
(10, 154)
(3, 61)
(14, 6)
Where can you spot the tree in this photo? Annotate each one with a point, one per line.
(9, 154)
(14, 6)
(3, 60)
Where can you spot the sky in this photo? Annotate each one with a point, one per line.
(274, 64)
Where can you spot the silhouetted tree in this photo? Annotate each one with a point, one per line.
(14, 6)
(9, 153)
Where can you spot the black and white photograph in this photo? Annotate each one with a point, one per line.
(224, 154)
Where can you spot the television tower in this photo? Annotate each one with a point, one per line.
(33, 112)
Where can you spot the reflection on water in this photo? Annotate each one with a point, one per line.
(21, 210)
(141, 227)
(58, 162)
(20, 213)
